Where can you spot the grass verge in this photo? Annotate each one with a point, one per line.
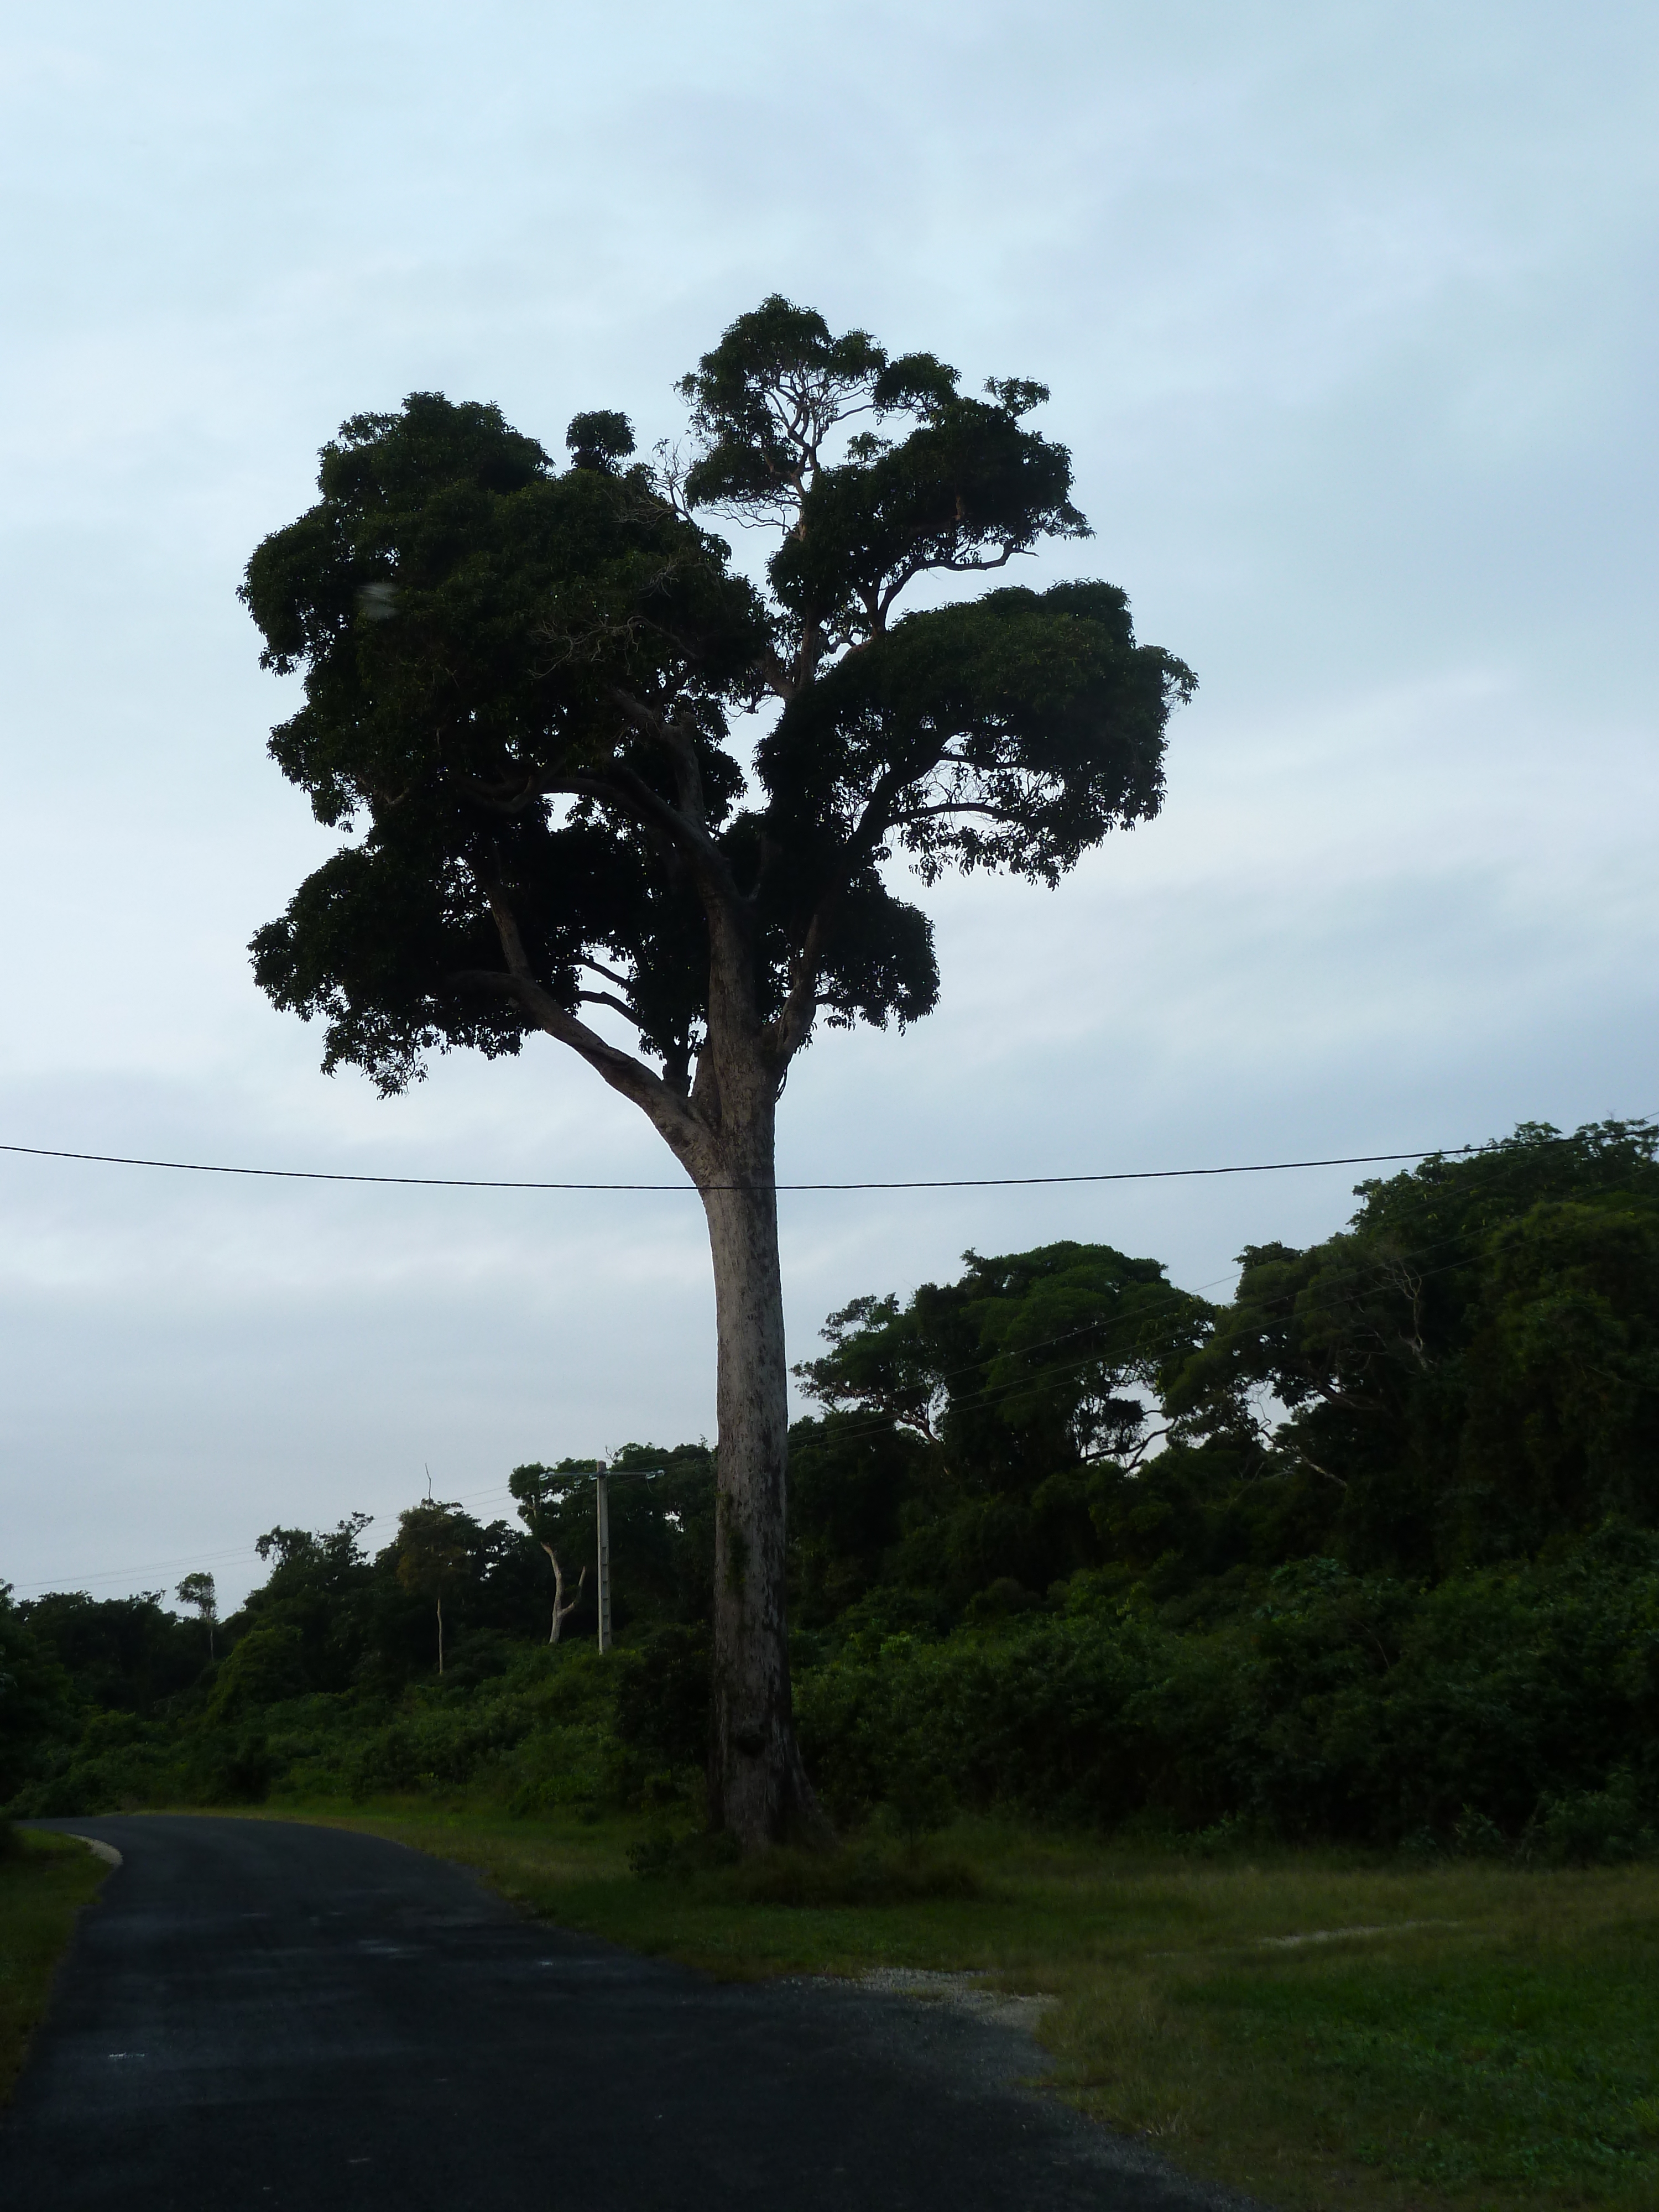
(45, 1880)
(1322, 2032)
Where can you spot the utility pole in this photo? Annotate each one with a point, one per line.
(602, 1504)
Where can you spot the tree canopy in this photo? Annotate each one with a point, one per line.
(520, 683)
(1471, 1366)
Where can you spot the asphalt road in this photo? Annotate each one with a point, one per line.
(257, 2014)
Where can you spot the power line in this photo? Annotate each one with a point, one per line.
(931, 1182)
(66, 1586)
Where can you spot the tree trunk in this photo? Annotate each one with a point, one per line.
(757, 1787)
(561, 1612)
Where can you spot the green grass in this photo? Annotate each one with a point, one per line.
(1501, 2053)
(1509, 2057)
(45, 1881)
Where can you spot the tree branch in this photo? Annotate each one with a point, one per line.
(669, 1114)
(1313, 1463)
(599, 967)
(506, 924)
(948, 806)
(1134, 1458)
(908, 574)
(665, 730)
(625, 787)
(610, 998)
(793, 1024)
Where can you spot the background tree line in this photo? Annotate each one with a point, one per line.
(1371, 1549)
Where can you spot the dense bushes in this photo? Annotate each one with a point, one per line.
(35, 1698)
(1515, 1705)
(1509, 1708)
(541, 1733)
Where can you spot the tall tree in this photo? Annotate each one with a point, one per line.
(200, 1590)
(432, 1548)
(966, 1431)
(1038, 1353)
(519, 679)
(540, 1495)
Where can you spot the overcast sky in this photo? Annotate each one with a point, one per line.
(1349, 316)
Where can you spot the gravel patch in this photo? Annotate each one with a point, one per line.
(965, 1991)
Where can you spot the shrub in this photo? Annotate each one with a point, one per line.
(1500, 1702)
(1596, 1828)
(265, 1668)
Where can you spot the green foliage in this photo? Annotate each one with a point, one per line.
(44, 1882)
(320, 1587)
(1050, 1550)
(433, 1551)
(199, 1590)
(661, 1509)
(960, 1451)
(34, 1694)
(1598, 1827)
(1472, 1370)
(920, 1798)
(1338, 1707)
(459, 610)
(124, 1651)
(662, 1692)
(266, 1666)
(114, 1762)
(521, 681)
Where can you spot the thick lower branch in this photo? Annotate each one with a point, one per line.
(670, 1116)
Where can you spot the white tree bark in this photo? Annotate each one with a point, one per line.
(561, 1612)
